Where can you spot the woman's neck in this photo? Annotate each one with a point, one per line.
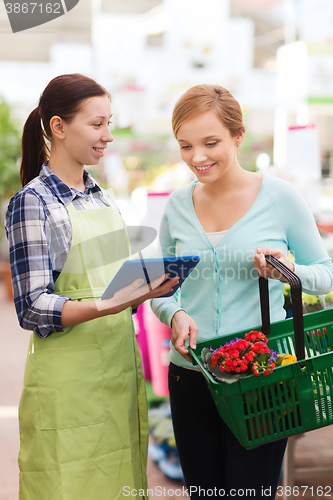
(71, 175)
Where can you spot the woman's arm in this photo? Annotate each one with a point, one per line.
(37, 307)
(312, 262)
(166, 308)
(169, 310)
(74, 313)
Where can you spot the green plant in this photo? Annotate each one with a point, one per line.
(10, 150)
(310, 302)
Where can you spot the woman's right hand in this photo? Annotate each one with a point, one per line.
(183, 326)
(136, 293)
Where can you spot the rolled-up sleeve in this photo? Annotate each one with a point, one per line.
(37, 307)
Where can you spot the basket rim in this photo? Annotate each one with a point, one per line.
(252, 382)
(279, 373)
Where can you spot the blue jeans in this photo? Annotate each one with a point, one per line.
(214, 463)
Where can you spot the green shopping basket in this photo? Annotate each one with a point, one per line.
(294, 398)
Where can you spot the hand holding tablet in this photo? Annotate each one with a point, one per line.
(150, 270)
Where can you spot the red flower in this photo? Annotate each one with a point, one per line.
(241, 355)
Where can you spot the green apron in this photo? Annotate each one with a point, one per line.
(83, 410)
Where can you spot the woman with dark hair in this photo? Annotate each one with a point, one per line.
(231, 218)
(83, 416)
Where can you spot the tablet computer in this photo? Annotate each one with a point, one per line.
(151, 269)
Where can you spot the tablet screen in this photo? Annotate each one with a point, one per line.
(151, 269)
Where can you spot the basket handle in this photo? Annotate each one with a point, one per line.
(296, 303)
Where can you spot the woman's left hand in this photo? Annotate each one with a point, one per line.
(265, 269)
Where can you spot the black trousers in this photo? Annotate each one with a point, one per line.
(214, 463)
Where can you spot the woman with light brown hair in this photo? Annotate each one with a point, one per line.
(231, 218)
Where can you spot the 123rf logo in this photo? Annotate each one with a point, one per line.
(26, 14)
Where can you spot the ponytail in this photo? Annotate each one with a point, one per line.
(34, 150)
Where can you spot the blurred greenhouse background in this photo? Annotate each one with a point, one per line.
(275, 56)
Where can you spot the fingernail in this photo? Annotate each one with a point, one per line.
(141, 282)
(193, 346)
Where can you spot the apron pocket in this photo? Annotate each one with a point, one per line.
(70, 385)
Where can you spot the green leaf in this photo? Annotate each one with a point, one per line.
(10, 151)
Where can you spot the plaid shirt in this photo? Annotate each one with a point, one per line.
(39, 232)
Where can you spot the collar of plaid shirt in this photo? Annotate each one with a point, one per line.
(60, 189)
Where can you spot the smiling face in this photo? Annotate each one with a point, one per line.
(86, 137)
(207, 147)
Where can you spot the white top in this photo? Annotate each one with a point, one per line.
(216, 237)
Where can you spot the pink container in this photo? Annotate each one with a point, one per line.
(141, 337)
(158, 339)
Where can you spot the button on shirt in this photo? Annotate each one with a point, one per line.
(39, 232)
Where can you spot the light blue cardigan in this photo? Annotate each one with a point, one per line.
(221, 294)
